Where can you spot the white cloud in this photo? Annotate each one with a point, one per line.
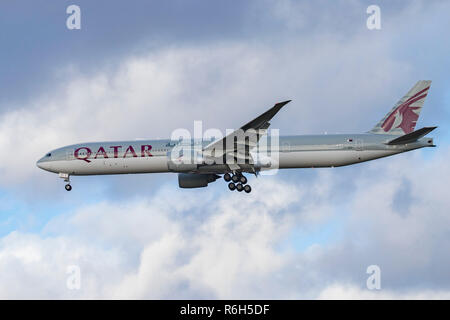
(147, 249)
(169, 246)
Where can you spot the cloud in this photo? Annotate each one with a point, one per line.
(153, 251)
(174, 246)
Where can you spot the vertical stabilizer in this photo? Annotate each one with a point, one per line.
(403, 117)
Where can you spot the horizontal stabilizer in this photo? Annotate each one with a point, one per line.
(412, 136)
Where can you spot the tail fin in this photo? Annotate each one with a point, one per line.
(404, 115)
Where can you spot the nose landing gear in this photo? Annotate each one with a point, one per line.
(238, 182)
(66, 178)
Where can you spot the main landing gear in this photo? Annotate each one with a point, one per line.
(237, 182)
(66, 178)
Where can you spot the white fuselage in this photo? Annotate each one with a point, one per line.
(153, 156)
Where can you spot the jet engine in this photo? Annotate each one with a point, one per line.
(195, 180)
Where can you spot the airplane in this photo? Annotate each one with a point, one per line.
(202, 161)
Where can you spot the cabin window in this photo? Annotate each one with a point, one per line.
(349, 140)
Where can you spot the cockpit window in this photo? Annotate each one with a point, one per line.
(48, 155)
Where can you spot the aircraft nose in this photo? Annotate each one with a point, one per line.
(43, 164)
(39, 163)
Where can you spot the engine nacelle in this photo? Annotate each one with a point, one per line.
(195, 180)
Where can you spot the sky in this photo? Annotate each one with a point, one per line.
(140, 69)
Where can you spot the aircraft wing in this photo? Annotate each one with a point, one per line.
(239, 142)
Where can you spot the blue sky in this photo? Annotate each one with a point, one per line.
(141, 69)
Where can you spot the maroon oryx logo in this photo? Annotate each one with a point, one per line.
(404, 116)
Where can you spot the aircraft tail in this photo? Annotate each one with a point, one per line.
(404, 115)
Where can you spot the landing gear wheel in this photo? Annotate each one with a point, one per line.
(227, 177)
(247, 188)
(231, 186)
(239, 187)
(68, 187)
(235, 178)
(242, 179)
